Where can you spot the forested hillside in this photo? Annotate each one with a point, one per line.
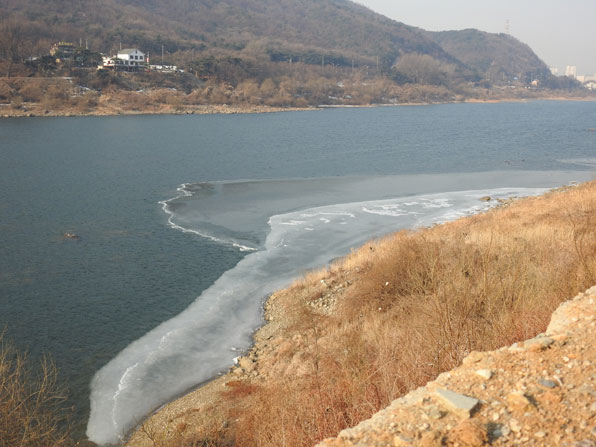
(497, 56)
(285, 52)
(254, 25)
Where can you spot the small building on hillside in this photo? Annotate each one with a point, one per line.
(110, 63)
(166, 68)
(63, 50)
(131, 57)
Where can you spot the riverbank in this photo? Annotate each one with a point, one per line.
(345, 341)
(37, 110)
(107, 107)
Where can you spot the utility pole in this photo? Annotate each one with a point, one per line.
(162, 54)
(323, 62)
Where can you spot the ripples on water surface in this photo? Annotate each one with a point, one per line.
(110, 180)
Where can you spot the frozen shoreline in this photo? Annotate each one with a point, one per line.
(183, 351)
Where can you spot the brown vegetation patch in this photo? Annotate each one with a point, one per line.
(32, 406)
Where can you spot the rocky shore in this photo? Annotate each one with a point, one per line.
(540, 392)
(107, 108)
(34, 110)
(191, 412)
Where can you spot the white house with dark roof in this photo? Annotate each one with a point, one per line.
(131, 57)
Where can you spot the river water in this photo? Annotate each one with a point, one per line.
(186, 223)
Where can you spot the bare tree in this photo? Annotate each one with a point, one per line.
(32, 407)
(11, 43)
(421, 68)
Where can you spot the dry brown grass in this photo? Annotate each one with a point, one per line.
(407, 308)
(32, 412)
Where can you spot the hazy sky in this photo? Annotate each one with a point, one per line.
(561, 32)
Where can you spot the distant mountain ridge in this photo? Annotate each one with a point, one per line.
(342, 31)
(497, 56)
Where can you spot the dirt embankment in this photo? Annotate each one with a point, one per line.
(540, 392)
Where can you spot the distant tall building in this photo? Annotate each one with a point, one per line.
(571, 71)
(554, 71)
